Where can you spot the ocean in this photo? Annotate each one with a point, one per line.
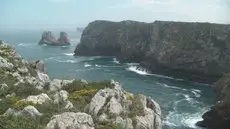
(182, 102)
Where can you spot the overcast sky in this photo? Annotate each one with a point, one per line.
(44, 14)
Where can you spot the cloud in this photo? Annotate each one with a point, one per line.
(182, 10)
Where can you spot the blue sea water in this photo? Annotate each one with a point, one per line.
(182, 102)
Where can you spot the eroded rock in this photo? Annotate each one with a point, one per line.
(71, 120)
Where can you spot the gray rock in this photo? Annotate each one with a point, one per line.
(38, 99)
(114, 106)
(44, 78)
(29, 111)
(39, 65)
(62, 98)
(71, 120)
(127, 124)
(57, 84)
(23, 70)
(3, 86)
(5, 64)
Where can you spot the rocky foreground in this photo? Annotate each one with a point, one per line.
(194, 51)
(30, 100)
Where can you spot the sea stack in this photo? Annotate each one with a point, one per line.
(49, 39)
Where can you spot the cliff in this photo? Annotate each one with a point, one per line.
(30, 100)
(219, 115)
(195, 51)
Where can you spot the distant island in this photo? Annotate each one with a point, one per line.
(80, 29)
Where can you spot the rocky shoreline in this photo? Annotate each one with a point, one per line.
(29, 99)
(194, 51)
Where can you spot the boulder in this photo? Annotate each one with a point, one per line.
(39, 65)
(38, 99)
(29, 111)
(62, 98)
(71, 120)
(3, 86)
(5, 64)
(114, 106)
(23, 70)
(44, 78)
(57, 84)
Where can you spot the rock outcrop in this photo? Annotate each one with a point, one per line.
(49, 39)
(219, 115)
(27, 92)
(29, 111)
(195, 51)
(71, 120)
(109, 104)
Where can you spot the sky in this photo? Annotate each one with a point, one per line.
(44, 14)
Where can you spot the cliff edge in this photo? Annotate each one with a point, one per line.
(194, 51)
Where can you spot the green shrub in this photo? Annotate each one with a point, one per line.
(11, 122)
(136, 108)
(24, 90)
(5, 104)
(106, 125)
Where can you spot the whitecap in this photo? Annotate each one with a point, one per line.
(186, 97)
(175, 118)
(94, 57)
(87, 65)
(68, 54)
(196, 93)
(132, 64)
(172, 87)
(105, 66)
(137, 70)
(96, 65)
(165, 122)
(25, 44)
(86, 69)
(116, 61)
(66, 61)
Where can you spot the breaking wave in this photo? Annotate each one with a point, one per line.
(68, 54)
(87, 65)
(66, 61)
(26, 44)
(138, 70)
(116, 61)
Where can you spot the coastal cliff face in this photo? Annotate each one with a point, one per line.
(196, 51)
(219, 115)
(29, 99)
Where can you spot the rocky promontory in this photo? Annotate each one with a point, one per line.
(194, 51)
(219, 115)
(29, 99)
(49, 39)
